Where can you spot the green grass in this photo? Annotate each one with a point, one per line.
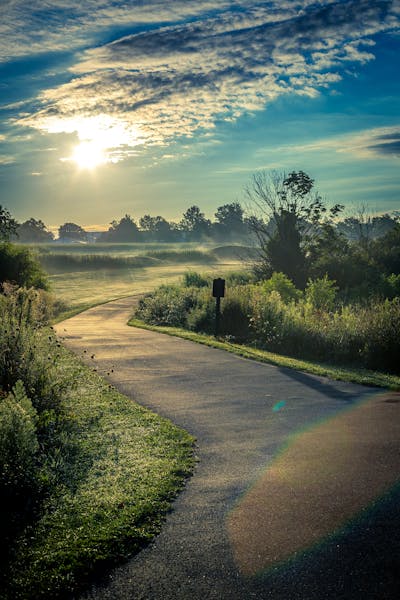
(131, 464)
(339, 373)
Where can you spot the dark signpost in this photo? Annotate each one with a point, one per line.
(218, 293)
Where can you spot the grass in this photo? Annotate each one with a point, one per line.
(82, 285)
(339, 373)
(129, 465)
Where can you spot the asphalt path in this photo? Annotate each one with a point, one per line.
(296, 493)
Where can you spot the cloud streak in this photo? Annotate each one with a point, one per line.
(213, 61)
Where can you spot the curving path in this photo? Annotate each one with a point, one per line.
(294, 496)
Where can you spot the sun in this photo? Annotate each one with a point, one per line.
(88, 155)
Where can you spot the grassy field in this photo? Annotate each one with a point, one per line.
(84, 275)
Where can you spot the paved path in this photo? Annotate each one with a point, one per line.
(294, 496)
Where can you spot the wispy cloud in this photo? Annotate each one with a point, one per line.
(377, 142)
(213, 61)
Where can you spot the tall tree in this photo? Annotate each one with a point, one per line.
(229, 219)
(195, 223)
(291, 216)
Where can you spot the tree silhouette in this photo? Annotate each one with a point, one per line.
(292, 214)
(72, 232)
(34, 231)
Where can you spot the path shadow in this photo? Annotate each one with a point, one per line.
(328, 387)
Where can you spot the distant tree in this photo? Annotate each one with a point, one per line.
(157, 228)
(124, 230)
(291, 217)
(364, 227)
(195, 223)
(34, 231)
(72, 232)
(8, 225)
(229, 220)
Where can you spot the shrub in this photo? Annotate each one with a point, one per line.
(267, 317)
(169, 305)
(28, 350)
(18, 265)
(201, 317)
(235, 314)
(321, 293)
(18, 456)
(390, 286)
(194, 279)
(280, 283)
(239, 278)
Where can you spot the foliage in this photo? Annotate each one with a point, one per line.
(124, 230)
(195, 224)
(8, 225)
(320, 294)
(20, 266)
(279, 282)
(229, 221)
(193, 279)
(275, 316)
(72, 232)
(27, 351)
(19, 447)
(292, 213)
(34, 231)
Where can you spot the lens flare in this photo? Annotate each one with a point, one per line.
(324, 478)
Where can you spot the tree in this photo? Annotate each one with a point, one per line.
(157, 228)
(8, 225)
(230, 220)
(195, 223)
(292, 215)
(124, 230)
(72, 232)
(34, 231)
(363, 227)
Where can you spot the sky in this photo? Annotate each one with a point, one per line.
(114, 107)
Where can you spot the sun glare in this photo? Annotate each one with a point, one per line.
(88, 155)
(102, 139)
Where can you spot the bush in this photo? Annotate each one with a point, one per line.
(28, 350)
(280, 283)
(169, 305)
(308, 328)
(194, 279)
(235, 314)
(18, 457)
(18, 265)
(321, 293)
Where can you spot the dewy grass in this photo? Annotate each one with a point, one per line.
(339, 373)
(132, 464)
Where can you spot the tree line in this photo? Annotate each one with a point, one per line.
(280, 209)
(230, 224)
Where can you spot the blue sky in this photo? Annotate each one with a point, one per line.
(118, 107)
